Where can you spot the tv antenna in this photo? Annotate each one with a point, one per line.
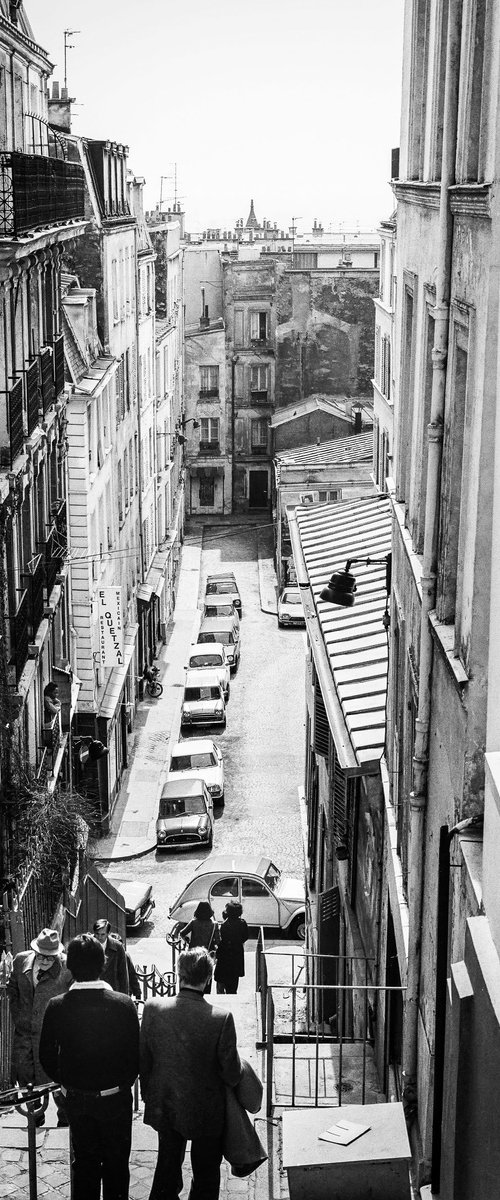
(169, 179)
(68, 46)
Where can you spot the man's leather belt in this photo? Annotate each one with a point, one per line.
(105, 1092)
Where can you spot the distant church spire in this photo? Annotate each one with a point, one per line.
(252, 222)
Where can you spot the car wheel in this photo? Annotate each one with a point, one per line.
(297, 929)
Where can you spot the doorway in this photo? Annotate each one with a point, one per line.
(258, 489)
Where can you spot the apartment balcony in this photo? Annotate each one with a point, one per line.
(20, 634)
(37, 192)
(30, 397)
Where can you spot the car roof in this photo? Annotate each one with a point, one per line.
(183, 787)
(210, 624)
(202, 677)
(254, 865)
(221, 575)
(192, 746)
(210, 648)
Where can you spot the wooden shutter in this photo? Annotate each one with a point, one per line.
(321, 727)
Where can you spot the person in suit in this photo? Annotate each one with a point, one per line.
(37, 975)
(230, 953)
(188, 1054)
(90, 1045)
(115, 961)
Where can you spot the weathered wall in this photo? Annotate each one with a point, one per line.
(311, 428)
(325, 333)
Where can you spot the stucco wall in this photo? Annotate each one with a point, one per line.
(325, 333)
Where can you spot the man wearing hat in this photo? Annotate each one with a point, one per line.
(37, 975)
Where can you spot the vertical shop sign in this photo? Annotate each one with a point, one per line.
(110, 621)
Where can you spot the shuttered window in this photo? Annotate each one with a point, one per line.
(321, 727)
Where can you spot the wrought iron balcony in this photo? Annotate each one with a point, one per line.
(33, 396)
(30, 396)
(47, 385)
(37, 192)
(55, 550)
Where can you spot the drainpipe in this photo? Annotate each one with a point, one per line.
(138, 385)
(234, 360)
(418, 797)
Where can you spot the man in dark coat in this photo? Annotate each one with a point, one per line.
(188, 1054)
(90, 1045)
(38, 974)
(115, 962)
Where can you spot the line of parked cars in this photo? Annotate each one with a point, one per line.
(195, 780)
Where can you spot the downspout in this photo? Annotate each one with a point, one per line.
(418, 797)
(138, 385)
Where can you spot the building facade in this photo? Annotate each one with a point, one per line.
(42, 207)
(383, 374)
(443, 701)
(206, 428)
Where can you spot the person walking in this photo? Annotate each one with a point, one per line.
(37, 975)
(230, 965)
(90, 1045)
(188, 1054)
(115, 961)
(203, 930)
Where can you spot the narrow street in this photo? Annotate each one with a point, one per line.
(263, 743)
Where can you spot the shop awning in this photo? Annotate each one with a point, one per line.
(349, 645)
(156, 580)
(144, 592)
(114, 686)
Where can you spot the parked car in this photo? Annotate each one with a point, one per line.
(268, 897)
(195, 757)
(223, 583)
(215, 607)
(290, 611)
(230, 619)
(185, 815)
(137, 900)
(213, 657)
(218, 629)
(203, 700)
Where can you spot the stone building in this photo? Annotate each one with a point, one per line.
(41, 207)
(206, 428)
(442, 889)
(383, 372)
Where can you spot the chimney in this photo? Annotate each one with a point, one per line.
(60, 109)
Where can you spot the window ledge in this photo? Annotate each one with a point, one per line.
(445, 637)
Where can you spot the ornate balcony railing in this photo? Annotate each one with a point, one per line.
(37, 192)
(59, 363)
(55, 549)
(33, 395)
(16, 420)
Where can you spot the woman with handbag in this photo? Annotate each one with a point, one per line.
(203, 930)
(230, 965)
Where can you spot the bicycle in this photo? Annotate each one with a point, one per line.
(153, 686)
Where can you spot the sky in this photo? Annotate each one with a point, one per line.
(293, 104)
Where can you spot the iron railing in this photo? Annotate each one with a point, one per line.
(59, 363)
(55, 550)
(37, 192)
(16, 430)
(33, 396)
(47, 385)
(314, 1063)
(34, 580)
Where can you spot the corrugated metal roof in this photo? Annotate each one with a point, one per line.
(354, 638)
(358, 448)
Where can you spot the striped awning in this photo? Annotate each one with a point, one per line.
(349, 645)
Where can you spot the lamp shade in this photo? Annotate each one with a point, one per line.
(340, 590)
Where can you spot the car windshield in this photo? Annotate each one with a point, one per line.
(187, 762)
(201, 693)
(272, 876)
(223, 635)
(222, 587)
(186, 806)
(206, 660)
(291, 598)
(219, 610)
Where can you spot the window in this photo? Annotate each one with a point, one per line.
(114, 289)
(225, 887)
(209, 381)
(120, 493)
(453, 449)
(209, 433)
(259, 326)
(259, 374)
(385, 365)
(259, 436)
(473, 104)
(207, 492)
(253, 887)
